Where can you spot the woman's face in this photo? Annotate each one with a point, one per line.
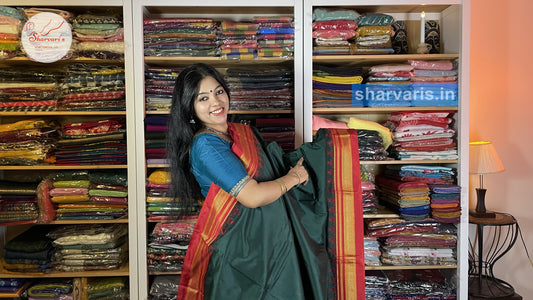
(212, 104)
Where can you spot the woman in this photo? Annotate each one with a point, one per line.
(257, 237)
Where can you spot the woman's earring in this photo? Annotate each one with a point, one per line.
(192, 121)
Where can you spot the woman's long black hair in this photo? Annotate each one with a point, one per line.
(182, 126)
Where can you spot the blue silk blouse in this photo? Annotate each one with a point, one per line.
(212, 161)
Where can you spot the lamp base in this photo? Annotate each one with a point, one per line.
(481, 211)
(485, 214)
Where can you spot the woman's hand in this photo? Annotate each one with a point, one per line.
(300, 172)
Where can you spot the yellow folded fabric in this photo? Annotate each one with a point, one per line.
(339, 79)
(159, 177)
(384, 132)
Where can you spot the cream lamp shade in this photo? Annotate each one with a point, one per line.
(484, 159)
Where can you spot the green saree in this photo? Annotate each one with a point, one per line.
(306, 245)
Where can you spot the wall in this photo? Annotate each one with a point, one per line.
(501, 110)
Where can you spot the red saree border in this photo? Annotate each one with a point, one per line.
(350, 268)
(216, 210)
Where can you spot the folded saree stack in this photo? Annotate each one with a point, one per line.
(87, 247)
(389, 74)
(261, 88)
(368, 187)
(108, 288)
(277, 129)
(332, 86)
(420, 284)
(158, 87)
(423, 242)
(332, 30)
(98, 36)
(168, 245)
(155, 139)
(60, 288)
(29, 89)
(164, 287)
(11, 20)
(83, 195)
(18, 202)
(409, 199)
(30, 252)
(93, 87)
(92, 142)
(423, 135)
(376, 285)
(27, 142)
(275, 36)
(180, 37)
(445, 202)
(238, 40)
(373, 34)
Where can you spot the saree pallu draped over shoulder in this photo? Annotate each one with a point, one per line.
(306, 245)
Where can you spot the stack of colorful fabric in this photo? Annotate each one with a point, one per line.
(80, 195)
(409, 199)
(29, 252)
(275, 36)
(332, 86)
(164, 287)
(108, 288)
(373, 34)
(27, 142)
(108, 193)
(98, 142)
(50, 289)
(439, 71)
(445, 202)
(28, 90)
(332, 30)
(279, 130)
(390, 73)
(10, 26)
(421, 173)
(98, 36)
(89, 247)
(423, 135)
(94, 87)
(180, 37)
(9, 286)
(158, 87)
(238, 40)
(425, 242)
(160, 205)
(371, 145)
(261, 88)
(376, 285)
(372, 252)
(155, 139)
(368, 188)
(168, 245)
(421, 284)
(18, 202)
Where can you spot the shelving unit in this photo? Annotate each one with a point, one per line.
(80, 279)
(233, 10)
(453, 16)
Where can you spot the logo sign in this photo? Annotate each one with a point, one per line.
(46, 37)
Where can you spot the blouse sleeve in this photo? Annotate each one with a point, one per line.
(212, 161)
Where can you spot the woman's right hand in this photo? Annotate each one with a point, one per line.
(299, 172)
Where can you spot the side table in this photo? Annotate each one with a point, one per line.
(501, 236)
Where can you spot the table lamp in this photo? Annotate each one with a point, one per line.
(483, 160)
